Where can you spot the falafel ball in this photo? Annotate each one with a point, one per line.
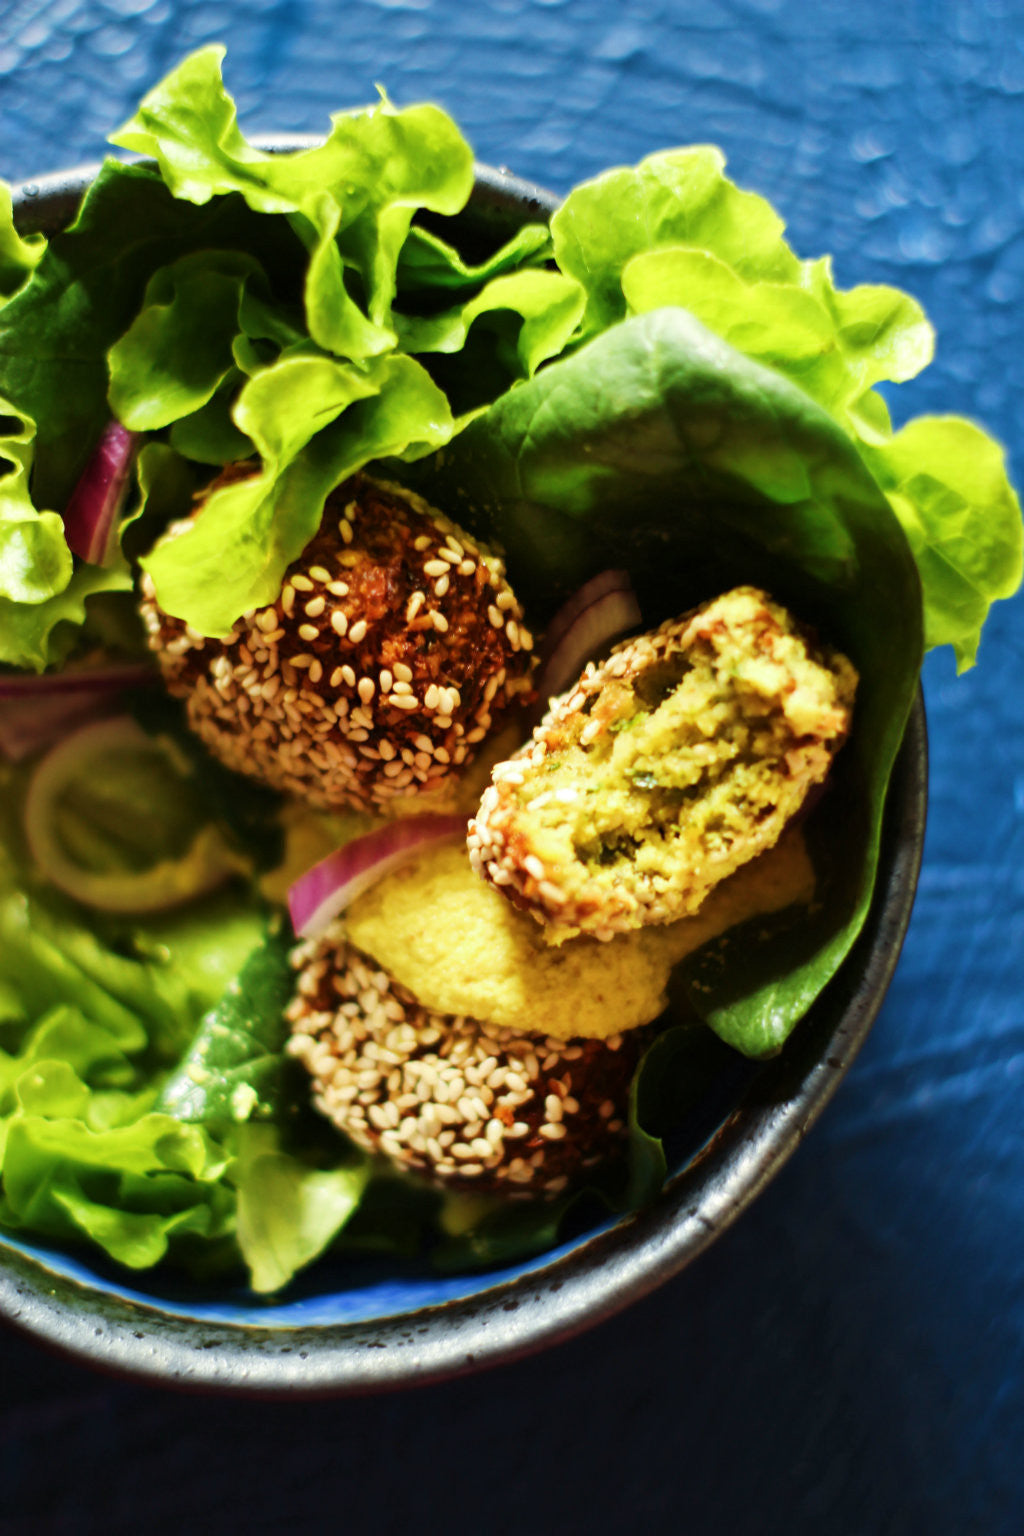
(393, 648)
(666, 767)
(466, 1105)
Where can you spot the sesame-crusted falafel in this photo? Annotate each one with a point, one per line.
(393, 648)
(463, 1104)
(666, 767)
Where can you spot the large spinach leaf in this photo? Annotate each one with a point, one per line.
(660, 447)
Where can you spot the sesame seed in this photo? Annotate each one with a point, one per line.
(434, 568)
(366, 689)
(358, 631)
(316, 606)
(439, 621)
(386, 680)
(308, 632)
(348, 673)
(346, 530)
(441, 586)
(414, 605)
(495, 617)
(301, 583)
(339, 622)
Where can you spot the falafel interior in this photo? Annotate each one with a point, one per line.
(665, 769)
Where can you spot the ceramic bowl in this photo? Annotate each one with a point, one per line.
(340, 1332)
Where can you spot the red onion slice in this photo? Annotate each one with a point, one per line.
(31, 723)
(204, 864)
(96, 680)
(324, 891)
(91, 515)
(602, 610)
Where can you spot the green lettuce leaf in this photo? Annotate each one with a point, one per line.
(18, 256)
(428, 262)
(315, 421)
(550, 307)
(178, 350)
(55, 333)
(42, 594)
(352, 199)
(946, 481)
(289, 1210)
(675, 231)
(231, 1072)
(131, 1188)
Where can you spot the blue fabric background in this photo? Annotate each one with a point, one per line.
(848, 1359)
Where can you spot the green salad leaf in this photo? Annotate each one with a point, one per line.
(675, 231)
(660, 447)
(19, 256)
(289, 1210)
(351, 198)
(231, 1071)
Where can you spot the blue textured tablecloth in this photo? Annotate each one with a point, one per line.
(847, 1359)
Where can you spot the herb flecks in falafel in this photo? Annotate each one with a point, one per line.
(666, 768)
(390, 654)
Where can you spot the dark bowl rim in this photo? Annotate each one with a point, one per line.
(599, 1277)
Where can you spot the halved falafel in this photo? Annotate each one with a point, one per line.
(666, 767)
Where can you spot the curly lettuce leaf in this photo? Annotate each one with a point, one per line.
(55, 333)
(315, 421)
(352, 199)
(946, 481)
(675, 231)
(548, 306)
(78, 1164)
(427, 262)
(35, 562)
(19, 255)
(178, 350)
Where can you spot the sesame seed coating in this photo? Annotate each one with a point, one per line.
(664, 769)
(459, 1102)
(297, 688)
